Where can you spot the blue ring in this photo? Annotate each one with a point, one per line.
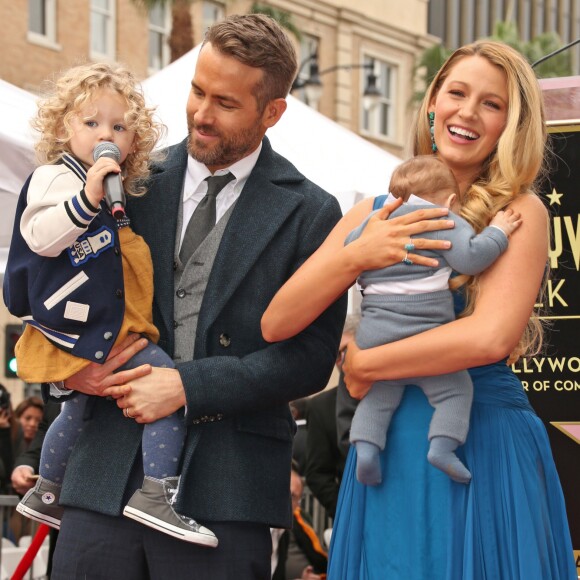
(409, 247)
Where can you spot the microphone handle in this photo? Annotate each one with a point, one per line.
(114, 194)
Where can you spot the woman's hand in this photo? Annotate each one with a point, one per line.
(94, 378)
(334, 267)
(355, 385)
(383, 242)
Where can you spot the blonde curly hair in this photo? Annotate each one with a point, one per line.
(515, 165)
(73, 90)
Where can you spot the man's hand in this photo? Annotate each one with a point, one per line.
(23, 479)
(309, 574)
(95, 378)
(151, 397)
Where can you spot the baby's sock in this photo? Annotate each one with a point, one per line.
(442, 455)
(368, 463)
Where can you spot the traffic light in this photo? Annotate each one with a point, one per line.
(12, 333)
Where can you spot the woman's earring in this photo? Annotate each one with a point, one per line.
(432, 130)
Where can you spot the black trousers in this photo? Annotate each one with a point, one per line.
(93, 546)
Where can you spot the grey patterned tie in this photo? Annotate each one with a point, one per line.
(203, 219)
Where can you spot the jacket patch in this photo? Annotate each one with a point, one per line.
(66, 290)
(76, 311)
(90, 245)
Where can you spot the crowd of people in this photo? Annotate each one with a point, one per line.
(175, 345)
(19, 427)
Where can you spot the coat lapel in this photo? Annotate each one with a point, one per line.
(263, 206)
(155, 217)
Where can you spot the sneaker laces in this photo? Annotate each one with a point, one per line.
(190, 522)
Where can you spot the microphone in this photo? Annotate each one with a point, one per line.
(113, 184)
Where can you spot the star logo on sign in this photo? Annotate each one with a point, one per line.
(569, 428)
(554, 197)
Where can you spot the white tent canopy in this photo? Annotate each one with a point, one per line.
(333, 157)
(17, 155)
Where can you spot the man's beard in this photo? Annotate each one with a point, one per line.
(225, 151)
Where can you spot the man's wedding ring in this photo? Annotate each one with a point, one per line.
(126, 412)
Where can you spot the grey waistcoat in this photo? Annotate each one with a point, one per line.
(190, 283)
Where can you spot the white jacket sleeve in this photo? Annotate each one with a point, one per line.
(57, 211)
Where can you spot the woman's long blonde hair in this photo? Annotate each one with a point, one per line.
(74, 89)
(513, 167)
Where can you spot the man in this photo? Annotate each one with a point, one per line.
(26, 465)
(297, 553)
(324, 458)
(234, 385)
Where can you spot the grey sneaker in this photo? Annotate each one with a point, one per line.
(152, 505)
(41, 503)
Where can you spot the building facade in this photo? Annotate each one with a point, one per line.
(459, 22)
(385, 37)
(44, 37)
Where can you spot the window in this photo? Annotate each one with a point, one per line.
(159, 29)
(436, 19)
(379, 121)
(525, 26)
(212, 12)
(483, 18)
(308, 47)
(467, 19)
(103, 29)
(42, 21)
(539, 18)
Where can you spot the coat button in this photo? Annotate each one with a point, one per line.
(175, 265)
(108, 335)
(117, 251)
(99, 354)
(175, 324)
(225, 340)
(180, 293)
(119, 293)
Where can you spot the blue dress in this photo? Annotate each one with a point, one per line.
(509, 523)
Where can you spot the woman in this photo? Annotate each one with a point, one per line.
(17, 429)
(28, 415)
(510, 521)
(8, 435)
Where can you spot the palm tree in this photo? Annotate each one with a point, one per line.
(283, 18)
(559, 65)
(181, 35)
(430, 61)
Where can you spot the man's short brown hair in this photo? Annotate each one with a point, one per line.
(258, 41)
